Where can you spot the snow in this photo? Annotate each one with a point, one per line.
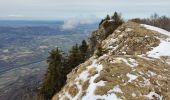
(95, 65)
(79, 93)
(144, 83)
(128, 29)
(150, 73)
(131, 77)
(133, 62)
(116, 89)
(92, 85)
(84, 75)
(133, 95)
(153, 28)
(163, 48)
(117, 31)
(68, 95)
(113, 48)
(101, 83)
(151, 94)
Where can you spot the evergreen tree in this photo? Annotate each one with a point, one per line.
(54, 78)
(75, 57)
(107, 17)
(117, 19)
(83, 49)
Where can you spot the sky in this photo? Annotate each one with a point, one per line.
(66, 9)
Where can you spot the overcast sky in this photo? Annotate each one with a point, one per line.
(65, 9)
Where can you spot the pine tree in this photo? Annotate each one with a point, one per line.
(75, 57)
(107, 17)
(54, 79)
(83, 49)
(117, 19)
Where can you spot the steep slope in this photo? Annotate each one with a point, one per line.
(135, 65)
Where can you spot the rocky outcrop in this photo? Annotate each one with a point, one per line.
(106, 28)
(135, 66)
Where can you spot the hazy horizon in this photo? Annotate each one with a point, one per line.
(88, 9)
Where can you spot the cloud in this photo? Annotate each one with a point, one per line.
(78, 20)
(15, 15)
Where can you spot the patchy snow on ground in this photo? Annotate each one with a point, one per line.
(153, 28)
(133, 62)
(92, 86)
(128, 29)
(150, 73)
(84, 75)
(131, 77)
(163, 48)
(130, 62)
(117, 89)
(151, 94)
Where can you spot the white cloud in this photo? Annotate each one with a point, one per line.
(15, 15)
(78, 20)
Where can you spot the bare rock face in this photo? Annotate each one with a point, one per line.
(135, 66)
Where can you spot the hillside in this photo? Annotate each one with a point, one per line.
(135, 65)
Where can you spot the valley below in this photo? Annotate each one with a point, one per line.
(24, 47)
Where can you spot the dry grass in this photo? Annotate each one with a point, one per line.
(73, 90)
(92, 72)
(85, 85)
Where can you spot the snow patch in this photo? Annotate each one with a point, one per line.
(131, 77)
(117, 89)
(153, 28)
(150, 73)
(117, 31)
(133, 95)
(92, 85)
(128, 29)
(133, 62)
(151, 94)
(161, 50)
(84, 75)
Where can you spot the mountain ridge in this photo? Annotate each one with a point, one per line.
(133, 66)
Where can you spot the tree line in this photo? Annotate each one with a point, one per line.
(59, 65)
(155, 20)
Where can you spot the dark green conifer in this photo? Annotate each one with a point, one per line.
(75, 57)
(83, 49)
(117, 19)
(53, 80)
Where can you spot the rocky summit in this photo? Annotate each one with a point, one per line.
(134, 65)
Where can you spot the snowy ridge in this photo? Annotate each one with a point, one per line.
(153, 28)
(164, 47)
